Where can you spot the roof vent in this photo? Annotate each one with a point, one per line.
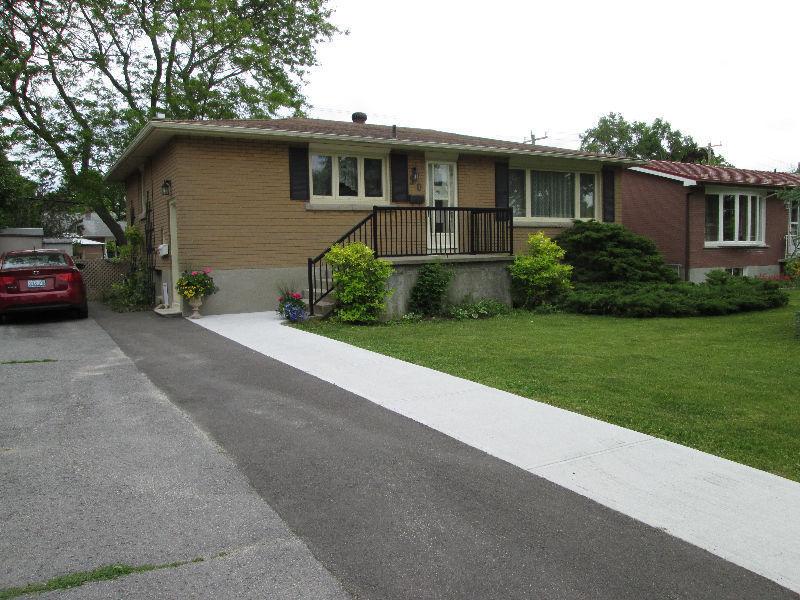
(359, 117)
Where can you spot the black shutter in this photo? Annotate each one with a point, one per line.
(501, 186)
(298, 174)
(608, 195)
(399, 167)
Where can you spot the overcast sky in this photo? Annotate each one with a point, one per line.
(723, 72)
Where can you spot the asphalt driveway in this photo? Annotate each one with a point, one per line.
(393, 509)
(97, 466)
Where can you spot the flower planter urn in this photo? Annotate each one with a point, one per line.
(195, 302)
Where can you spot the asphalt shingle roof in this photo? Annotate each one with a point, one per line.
(712, 174)
(384, 132)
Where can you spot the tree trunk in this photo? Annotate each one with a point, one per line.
(108, 219)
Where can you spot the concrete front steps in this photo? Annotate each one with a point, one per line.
(322, 308)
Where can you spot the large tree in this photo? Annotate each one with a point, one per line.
(653, 141)
(78, 78)
(15, 190)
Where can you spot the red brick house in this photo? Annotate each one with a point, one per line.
(703, 217)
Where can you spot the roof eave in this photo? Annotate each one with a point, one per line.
(684, 180)
(118, 172)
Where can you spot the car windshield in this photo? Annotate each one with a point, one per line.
(29, 261)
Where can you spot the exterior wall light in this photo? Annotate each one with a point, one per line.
(166, 188)
(414, 175)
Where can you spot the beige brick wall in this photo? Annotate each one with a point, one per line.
(161, 167)
(234, 211)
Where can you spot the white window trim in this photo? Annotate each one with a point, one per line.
(719, 243)
(359, 155)
(530, 219)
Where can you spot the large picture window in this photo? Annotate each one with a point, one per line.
(734, 218)
(553, 195)
(346, 176)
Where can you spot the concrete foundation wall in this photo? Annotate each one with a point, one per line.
(478, 277)
(699, 275)
(249, 290)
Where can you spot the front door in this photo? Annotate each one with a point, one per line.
(794, 229)
(442, 224)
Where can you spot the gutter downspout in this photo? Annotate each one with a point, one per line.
(688, 247)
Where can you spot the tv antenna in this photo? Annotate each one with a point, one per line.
(533, 139)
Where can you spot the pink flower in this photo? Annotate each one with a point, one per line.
(194, 273)
(296, 296)
(280, 299)
(206, 270)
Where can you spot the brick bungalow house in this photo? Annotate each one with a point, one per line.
(259, 201)
(703, 217)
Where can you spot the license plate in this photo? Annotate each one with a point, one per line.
(36, 283)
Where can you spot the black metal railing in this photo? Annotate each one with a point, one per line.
(396, 231)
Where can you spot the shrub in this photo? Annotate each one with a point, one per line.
(603, 252)
(792, 269)
(482, 309)
(429, 291)
(134, 291)
(196, 284)
(291, 305)
(360, 281)
(539, 276)
(654, 299)
(131, 294)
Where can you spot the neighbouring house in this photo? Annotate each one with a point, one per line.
(705, 217)
(87, 249)
(260, 201)
(92, 228)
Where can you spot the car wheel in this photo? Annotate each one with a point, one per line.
(82, 312)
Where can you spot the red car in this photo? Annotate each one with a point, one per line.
(33, 280)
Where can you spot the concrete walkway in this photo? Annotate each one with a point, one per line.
(746, 516)
(97, 467)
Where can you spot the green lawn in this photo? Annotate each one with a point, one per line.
(726, 385)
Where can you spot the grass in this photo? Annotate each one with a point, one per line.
(72, 580)
(28, 361)
(728, 385)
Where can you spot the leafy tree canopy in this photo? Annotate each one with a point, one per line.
(78, 78)
(637, 139)
(24, 203)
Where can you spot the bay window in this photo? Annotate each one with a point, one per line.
(734, 218)
(346, 176)
(552, 195)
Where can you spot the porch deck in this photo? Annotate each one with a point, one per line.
(396, 232)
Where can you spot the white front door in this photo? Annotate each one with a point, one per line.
(442, 194)
(794, 228)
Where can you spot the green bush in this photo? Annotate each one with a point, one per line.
(481, 309)
(360, 281)
(654, 299)
(792, 269)
(430, 290)
(539, 276)
(134, 291)
(604, 252)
